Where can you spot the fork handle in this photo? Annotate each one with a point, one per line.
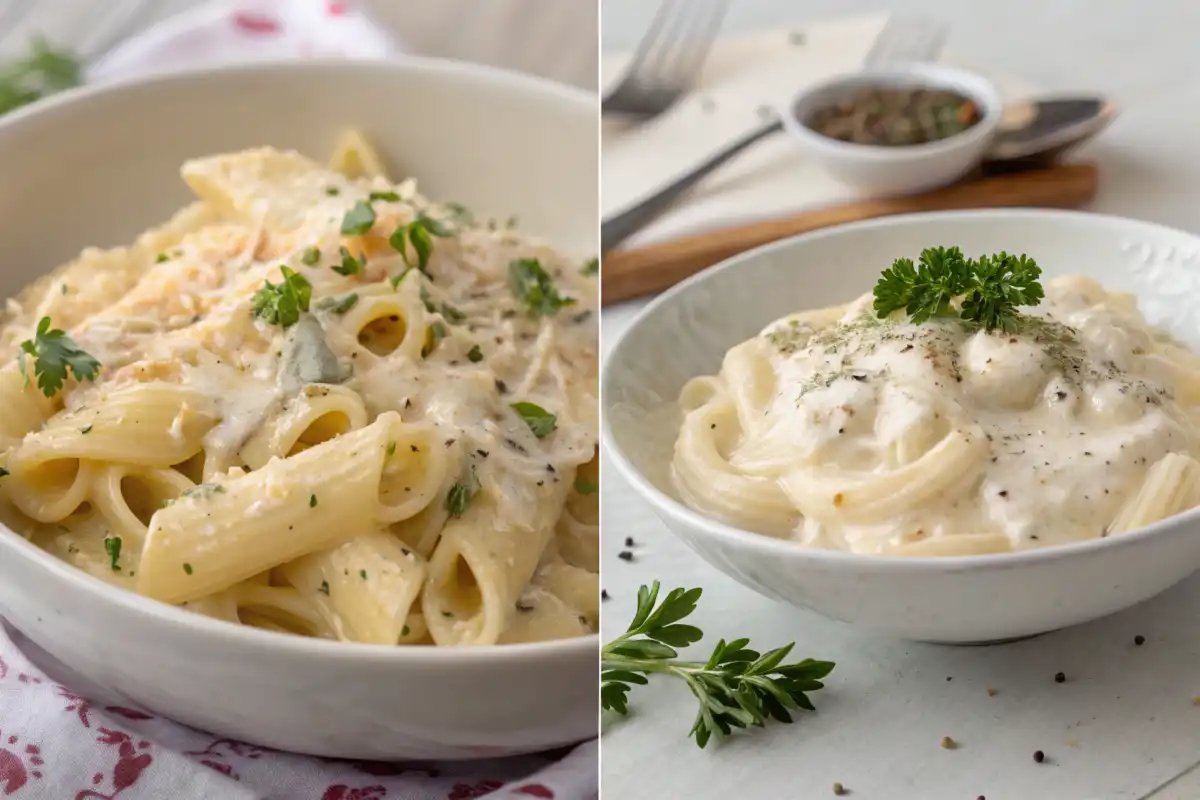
(621, 226)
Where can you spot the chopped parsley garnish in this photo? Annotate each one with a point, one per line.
(584, 486)
(462, 493)
(391, 449)
(161, 257)
(362, 573)
(281, 304)
(539, 420)
(55, 354)
(350, 265)
(332, 191)
(991, 287)
(475, 355)
(533, 286)
(311, 256)
(187, 568)
(112, 546)
(437, 332)
(390, 197)
(339, 305)
(462, 214)
(591, 267)
(324, 588)
(417, 235)
(204, 490)
(427, 299)
(452, 314)
(312, 501)
(396, 280)
(404, 631)
(359, 219)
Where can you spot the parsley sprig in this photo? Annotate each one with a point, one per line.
(737, 687)
(43, 72)
(534, 287)
(281, 304)
(418, 235)
(54, 355)
(991, 287)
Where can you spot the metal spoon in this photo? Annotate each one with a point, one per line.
(1032, 133)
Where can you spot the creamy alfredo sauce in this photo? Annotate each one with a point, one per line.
(1074, 409)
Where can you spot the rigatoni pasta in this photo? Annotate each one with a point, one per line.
(316, 402)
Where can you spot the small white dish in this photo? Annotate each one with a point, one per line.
(907, 169)
(959, 599)
(96, 166)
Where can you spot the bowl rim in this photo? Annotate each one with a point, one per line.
(743, 539)
(13, 546)
(985, 93)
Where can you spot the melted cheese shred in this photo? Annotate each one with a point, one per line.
(371, 472)
(837, 429)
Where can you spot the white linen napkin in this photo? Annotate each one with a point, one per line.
(744, 76)
(61, 738)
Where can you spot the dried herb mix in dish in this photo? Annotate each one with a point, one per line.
(896, 116)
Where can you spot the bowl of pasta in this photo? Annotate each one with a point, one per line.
(954, 427)
(295, 449)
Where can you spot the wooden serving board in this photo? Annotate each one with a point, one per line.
(636, 272)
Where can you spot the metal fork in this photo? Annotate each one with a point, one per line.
(669, 57)
(89, 35)
(901, 40)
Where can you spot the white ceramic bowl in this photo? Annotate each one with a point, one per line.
(99, 165)
(916, 168)
(686, 332)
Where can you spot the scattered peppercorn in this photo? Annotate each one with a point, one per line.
(839, 790)
(629, 541)
(991, 692)
(948, 743)
(604, 594)
(1039, 756)
(1060, 677)
(1139, 640)
(625, 555)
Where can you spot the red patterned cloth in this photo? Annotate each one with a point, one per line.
(63, 740)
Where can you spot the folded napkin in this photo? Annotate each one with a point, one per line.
(744, 79)
(63, 739)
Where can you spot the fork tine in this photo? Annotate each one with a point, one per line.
(693, 48)
(650, 39)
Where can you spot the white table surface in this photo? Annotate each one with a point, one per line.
(1124, 724)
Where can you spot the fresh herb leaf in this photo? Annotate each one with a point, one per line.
(391, 449)
(539, 420)
(339, 305)
(396, 280)
(737, 687)
(324, 588)
(161, 258)
(362, 573)
(475, 355)
(437, 332)
(427, 299)
(55, 354)
(332, 191)
(187, 568)
(43, 72)
(584, 486)
(533, 286)
(204, 490)
(452, 314)
(991, 287)
(462, 214)
(416, 235)
(312, 501)
(311, 256)
(112, 546)
(462, 493)
(390, 197)
(358, 219)
(591, 267)
(350, 265)
(281, 304)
